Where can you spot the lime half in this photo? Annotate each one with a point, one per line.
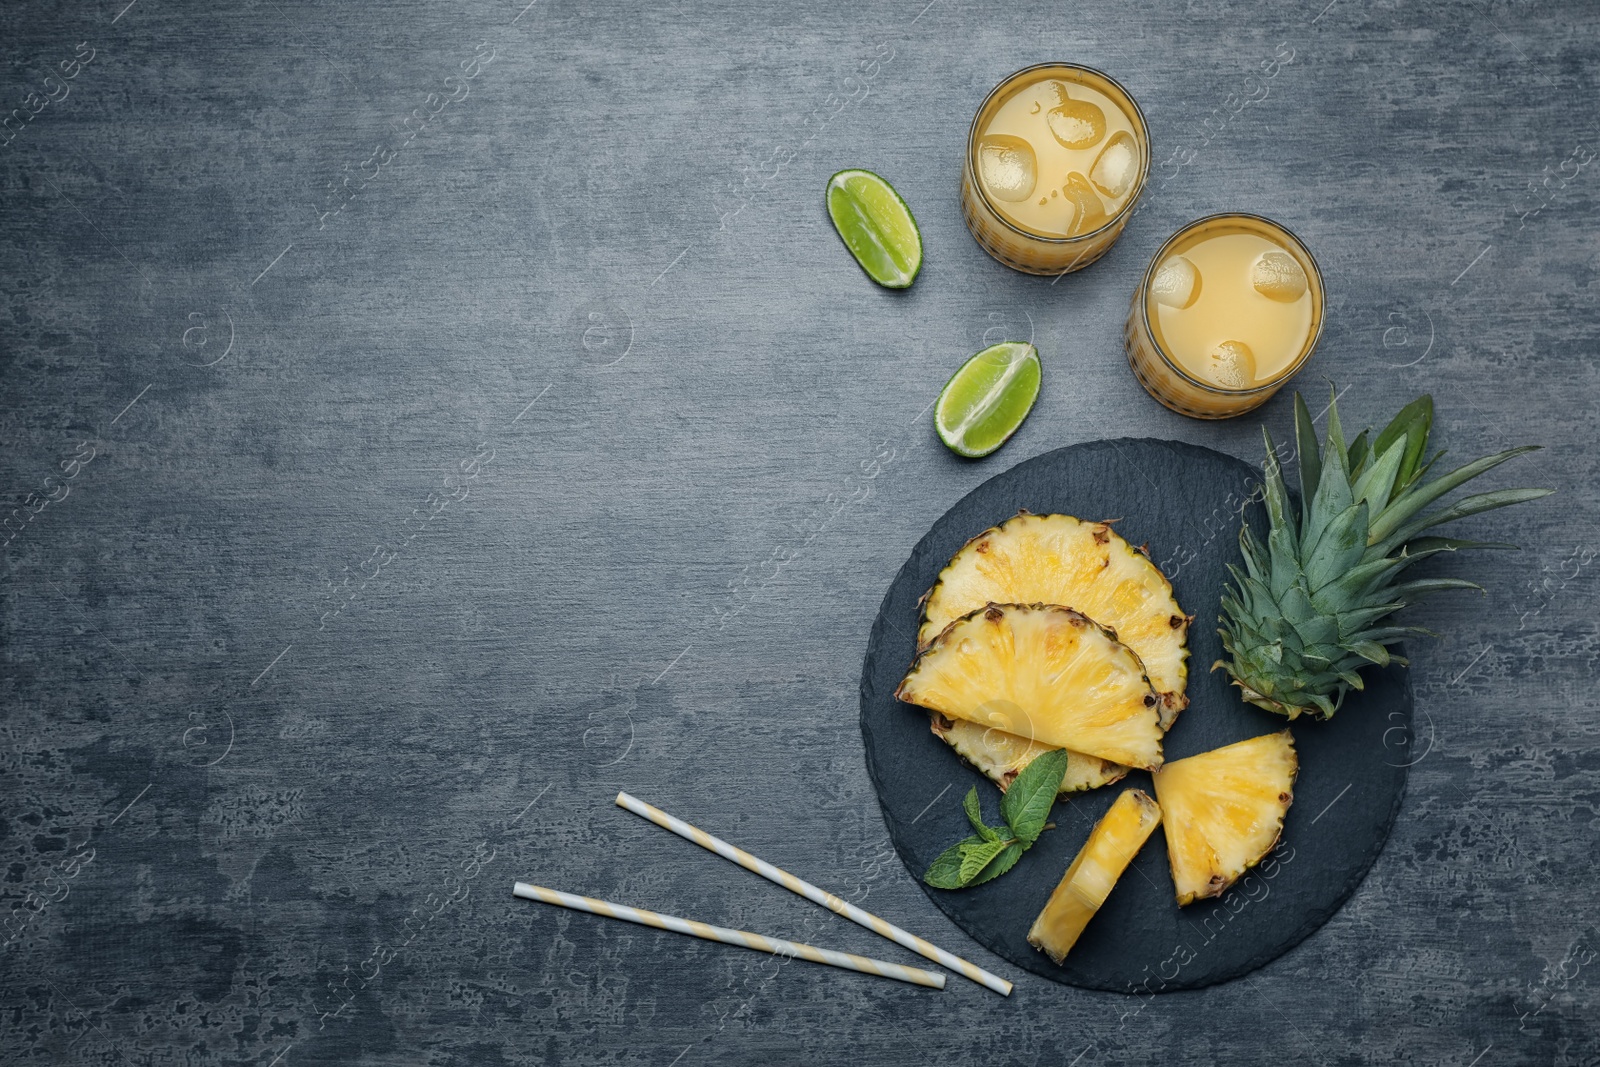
(876, 226)
(985, 401)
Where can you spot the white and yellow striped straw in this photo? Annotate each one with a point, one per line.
(776, 946)
(812, 893)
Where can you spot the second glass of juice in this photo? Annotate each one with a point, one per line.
(1056, 158)
(1229, 309)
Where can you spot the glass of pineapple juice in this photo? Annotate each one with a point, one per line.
(1056, 158)
(1228, 310)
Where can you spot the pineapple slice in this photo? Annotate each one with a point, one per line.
(1002, 756)
(1112, 844)
(1224, 811)
(1043, 672)
(1086, 566)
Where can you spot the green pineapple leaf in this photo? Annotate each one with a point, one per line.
(1417, 549)
(1409, 591)
(1343, 544)
(1324, 704)
(1333, 492)
(1376, 484)
(1467, 505)
(1388, 634)
(1284, 572)
(1413, 423)
(1254, 554)
(1351, 623)
(1026, 805)
(1407, 505)
(1352, 586)
(1310, 457)
(1422, 547)
(975, 816)
(1335, 444)
(1370, 651)
(1426, 467)
(1359, 454)
(1280, 511)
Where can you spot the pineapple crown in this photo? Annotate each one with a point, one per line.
(1309, 610)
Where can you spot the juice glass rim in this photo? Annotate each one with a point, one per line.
(1134, 192)
(1143, 293)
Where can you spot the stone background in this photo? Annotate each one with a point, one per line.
(438, 417)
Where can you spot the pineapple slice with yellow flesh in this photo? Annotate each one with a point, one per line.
(1112, 844)
(1043, 672)
(1086, 566)
(1001, 756)
(1224, 811)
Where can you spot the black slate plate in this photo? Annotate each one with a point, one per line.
(1184, 502)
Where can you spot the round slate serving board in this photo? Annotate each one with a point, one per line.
(1184, 502)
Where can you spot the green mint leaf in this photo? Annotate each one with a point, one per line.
(945, 872)
(1026, 804)
(974, 858)
(1007, 860)
(975, 816)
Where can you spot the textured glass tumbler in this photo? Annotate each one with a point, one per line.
(1161, 374)
(1015, 245)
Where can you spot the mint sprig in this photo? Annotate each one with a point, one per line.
(975, 816)
(992, 852)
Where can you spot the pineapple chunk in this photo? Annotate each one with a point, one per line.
(1045, 673)
(1086, 566)
(1224, 811)
(1112, 844)
(1002, 756)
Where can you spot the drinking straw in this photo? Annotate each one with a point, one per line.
(776, 946)
(812, 893)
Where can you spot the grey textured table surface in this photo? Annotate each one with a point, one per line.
(454, 414)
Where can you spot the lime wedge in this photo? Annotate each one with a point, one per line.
(985, 401)
(876, 226)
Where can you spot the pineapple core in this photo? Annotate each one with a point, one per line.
(1112, 844)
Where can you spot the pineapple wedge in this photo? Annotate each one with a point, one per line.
(1001, 756)
(1224, 811)
(1043, 672)
(1086, 566)
(1112, 844)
